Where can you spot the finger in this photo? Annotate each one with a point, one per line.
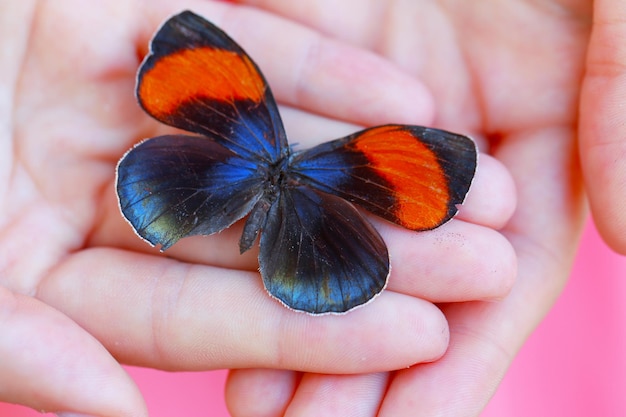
(462, 382)
(307, 70)
(450, 264)
(340, 395)
(602, 121)
(168, 313)
(50, 363)
(327, 76)
(316, 394)
(260, 392)
(350, 19)
(492, 198)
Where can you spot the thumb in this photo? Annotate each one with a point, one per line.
(50, 363)
(603, 122)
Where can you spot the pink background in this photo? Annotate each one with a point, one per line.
(574, 364)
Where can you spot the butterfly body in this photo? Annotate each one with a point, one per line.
(318, 253)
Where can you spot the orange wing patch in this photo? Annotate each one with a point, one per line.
(201, 72)
(419, 182)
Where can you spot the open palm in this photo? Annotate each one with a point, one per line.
(81, 292)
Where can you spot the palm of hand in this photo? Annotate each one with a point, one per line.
(72, 114)
(72, 108)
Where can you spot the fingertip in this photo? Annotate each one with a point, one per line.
(457, 262)
(393, 331)
(339, 395)
(259, 392)
(609, 218)
(492, 198)
(604, 172)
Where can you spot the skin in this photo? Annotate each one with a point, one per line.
(602, 143)
(81, 293)
(76, 283)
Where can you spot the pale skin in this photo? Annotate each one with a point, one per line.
(81, 292)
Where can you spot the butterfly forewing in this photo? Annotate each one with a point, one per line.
(198, 79)
(410, 175)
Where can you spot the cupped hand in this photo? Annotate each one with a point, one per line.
(510, 72)
(81, 292)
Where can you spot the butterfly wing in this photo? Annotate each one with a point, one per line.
(319, 255)
(410, 175)
(174, 186)
(198, 79)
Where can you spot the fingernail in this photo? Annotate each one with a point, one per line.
(72, 415)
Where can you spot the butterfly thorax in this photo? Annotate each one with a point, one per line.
(275, 178)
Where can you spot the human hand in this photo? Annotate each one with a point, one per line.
(602, 133)
(80, 291)
(510, 73)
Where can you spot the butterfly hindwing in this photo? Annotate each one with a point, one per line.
(198, 79)
(174, 186)
(319, 255)
(410, 175)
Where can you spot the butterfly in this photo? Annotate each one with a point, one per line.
(318, 253)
